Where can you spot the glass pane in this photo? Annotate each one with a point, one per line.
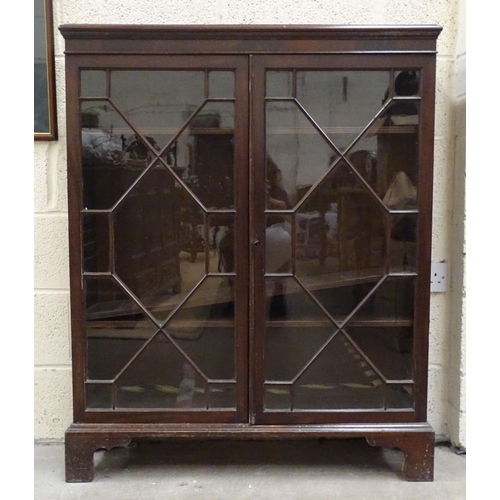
(399, 396)
(160, 377)
(340, 235)
(387, 346)
(403, 243)
(327, 253)
(337, 379)
(147, 240)
(116, 328)
(204, 328)
(93, 84)
(383, 327)
(157, 103)
(99, 396)
(159, 240)
(290, 346)
(222, 397)
(364, 161)
(277, 197)
(278, 244)
(297, 154)
(406, 83)
(191, 238)
(342, 102)
(96, 243)
(279, 83)
(203, 155)
(221, 84)
(109, 169)
(277, 397)
(341, 300)
(296, 328)
(392, 300)
(387, 155)
(221, 242)
(286, 300)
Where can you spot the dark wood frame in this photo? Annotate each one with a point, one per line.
(75, 207)
(426, 64)
(112, 46)
(51, 133)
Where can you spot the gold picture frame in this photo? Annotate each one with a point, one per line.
(45, 119)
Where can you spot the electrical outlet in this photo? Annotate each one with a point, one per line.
(439, 274)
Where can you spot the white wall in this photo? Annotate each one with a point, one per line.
(52, 348)
(456, 383)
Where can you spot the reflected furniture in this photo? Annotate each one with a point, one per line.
(200, 307)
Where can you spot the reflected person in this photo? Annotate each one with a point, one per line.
(278, 239)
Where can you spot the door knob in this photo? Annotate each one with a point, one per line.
(256, 243)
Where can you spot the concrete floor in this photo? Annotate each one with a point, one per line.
(335, 469)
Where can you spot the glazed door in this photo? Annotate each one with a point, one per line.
(249, 253)
(163, 227)
(336, 197)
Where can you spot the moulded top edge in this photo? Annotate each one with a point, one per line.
(227, 31)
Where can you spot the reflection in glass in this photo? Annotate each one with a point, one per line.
(146, 240)
(277, 397)
(290, 345)
(279, 84)
(342, 102)
(191, 237)
(221, 243)
(399, 396)
(221, 84)
(93, 83)
(387, 155)
(340, 228)
(353, 228)
(115, 327)
(341, 299)
(158, 240)
(383, 327)
(296, 150)
(389, 348)
(277, 197)
(160, 377)
(96, 243)
(159, 253)
(392, 299)
(151, 369)
(278, 244)
(109, 169)
(157, 103)
(406, 83)
(402, 248)
(287, 301)
(203, 155)
(99, 395)
(204, 328)
(338, 379)
(222, 396)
